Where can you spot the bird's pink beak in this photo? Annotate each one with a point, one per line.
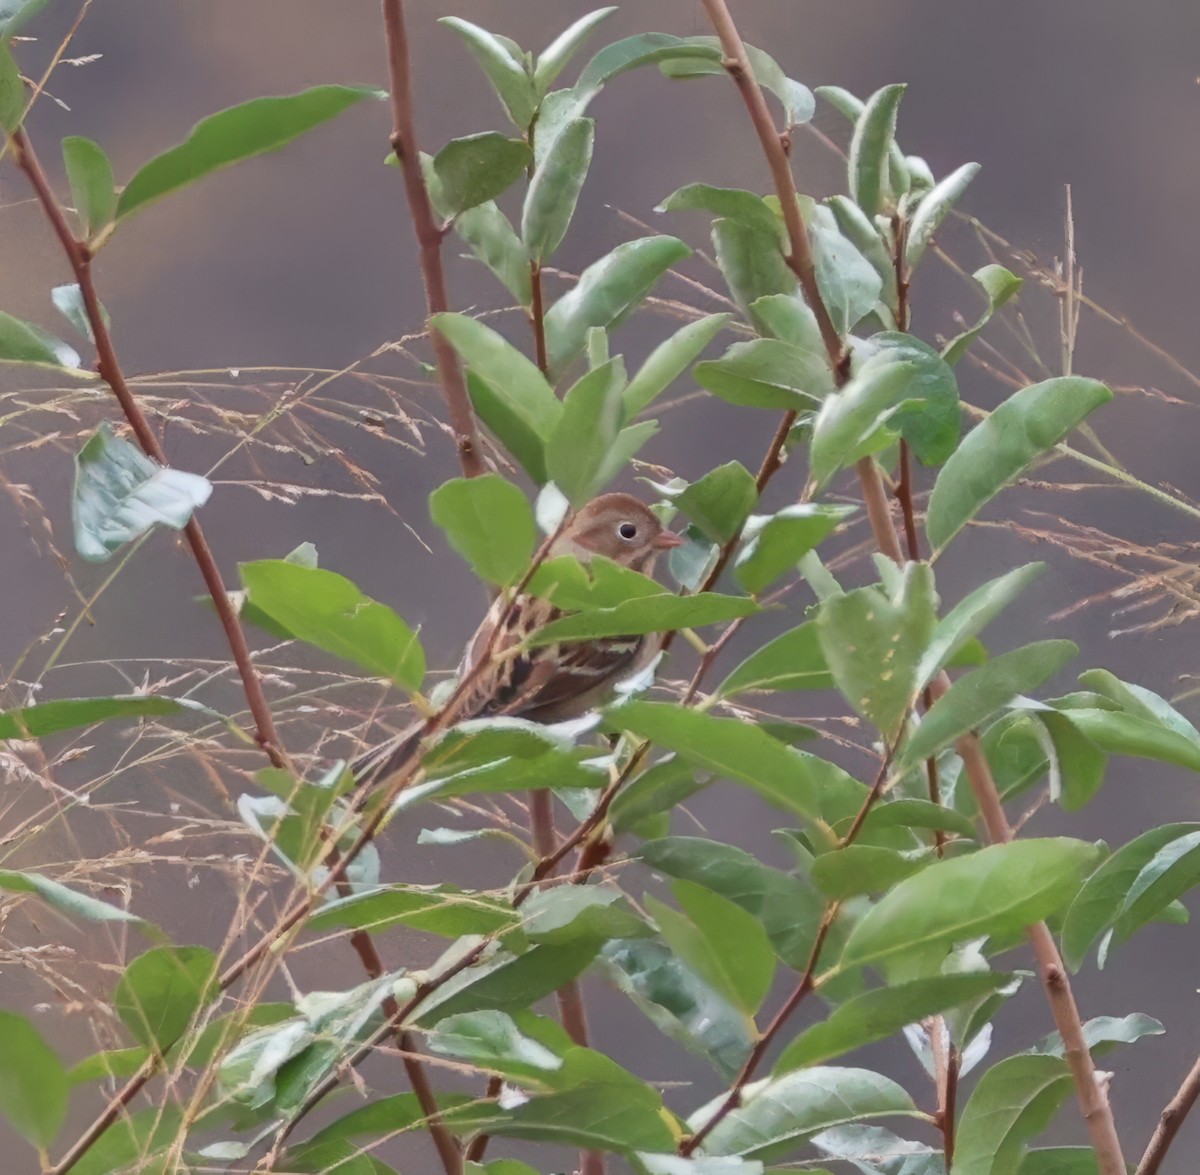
(666, 539)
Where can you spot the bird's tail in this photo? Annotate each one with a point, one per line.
(388, 757)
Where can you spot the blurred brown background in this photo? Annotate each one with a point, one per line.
(305, 261)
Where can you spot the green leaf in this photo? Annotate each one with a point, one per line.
(751, 262)
(776, 543)
(998, 891)
(1118, 733)
(162, 990)
(494, 241)
(24, 343)
(994, 452)
(1129, 889)
(33, 1082)
(864, 631)
(932, 211)
(861, 869)
(721, 942)
(876, 1015)
(669, 360)
(569, 912)
(720, 502)
(130, 1144)
(679, 1003)
(69, 713)
(661, 613)
(12, 91)
(788, 317)
(441, 909)
(111, 1063)
(655, 792)
(478, 168)
(972, 699)
(577, 449)
(931, 423)
(1000, 286)
(507, 982)
(902, 387)
(90, 175)
(489, 523)
(787, 907)
(500, 1166)
(972, 615)
(735, 203)
(874, 136)
(601, 583)
(327, 610)
(1059, 1160)
(492, 1041)
(786, 777)
(797, 100)
(1014, 1101)
(555, 187)
(1081, 764)
(766, 373)
(607, 291)
(554, 58)
(791, 661)
(852, 108)
(240, 132)
(861, 232)
(917, 814)
(1140, 702)
(1102, 1032)
(675, 1165)
(849, 283)
(120, 494)
(502, 67)
(66, 900)
(779, 1113)
(68, 301)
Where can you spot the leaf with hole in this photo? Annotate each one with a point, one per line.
(327, 610)
(997, 449)
(240, 132)
(121, 494)
(873, 641)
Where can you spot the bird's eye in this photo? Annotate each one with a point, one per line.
(627, 530)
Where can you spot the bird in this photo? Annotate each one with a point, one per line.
(555, 682)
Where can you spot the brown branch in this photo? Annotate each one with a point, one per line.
(537, 317)
(110, 371)
(733, 1099)
(1094, 1105)
(429, 240)
(1169, 1122)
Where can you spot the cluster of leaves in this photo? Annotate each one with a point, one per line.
(895, 912)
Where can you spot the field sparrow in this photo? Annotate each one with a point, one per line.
(550, 683)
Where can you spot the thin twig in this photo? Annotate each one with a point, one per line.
(1094, 1105)
(429, 240)
(80, 259)
(1169, 1122)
